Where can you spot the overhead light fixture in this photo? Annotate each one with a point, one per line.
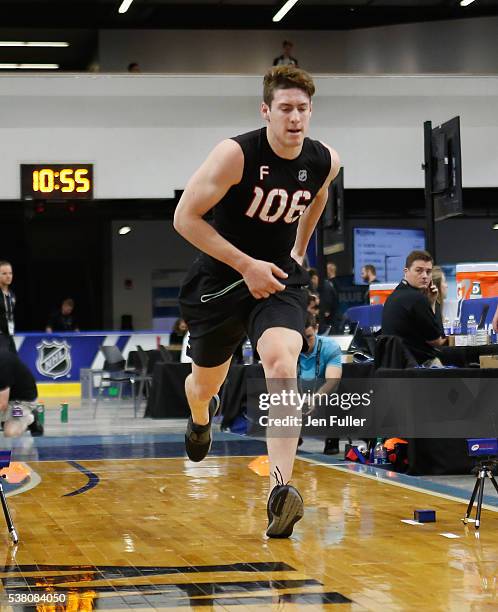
(279, 15)
(495, 226)
(29, 66)
(125, 5)
(124, 229)
(466, 2)
(26, 43)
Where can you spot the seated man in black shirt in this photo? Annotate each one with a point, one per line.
(63, 320)
(409, 312)
(17, 393)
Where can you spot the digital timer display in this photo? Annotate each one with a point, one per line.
(56, 181)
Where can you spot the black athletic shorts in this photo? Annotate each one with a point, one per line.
(220, 312)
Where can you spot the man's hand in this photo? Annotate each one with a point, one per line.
(259, 277)
(431, 292)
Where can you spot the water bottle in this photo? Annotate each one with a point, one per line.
(380, 453)
(40, 409)
(471, 330)
(457, 327)
(64, 412)
(247, 354)
(446, 326)
(347, 329)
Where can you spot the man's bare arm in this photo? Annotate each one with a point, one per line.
(309, 219)
(4, 399)
(495, 321)
(222, 169)
(333, 376)
(437, 341)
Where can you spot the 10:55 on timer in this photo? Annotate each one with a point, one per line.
(57, 181)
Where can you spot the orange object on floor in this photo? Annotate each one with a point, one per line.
(16, 472)
(260, 465)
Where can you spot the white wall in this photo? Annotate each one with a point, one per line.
(147, 133)
(456, 46)
(151, 245)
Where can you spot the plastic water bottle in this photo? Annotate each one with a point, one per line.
(347, 329)
(446, 326)
(471, 330)
(40, 409)
(64, 412)
(247, 354)
(380, 453)
(457, 327)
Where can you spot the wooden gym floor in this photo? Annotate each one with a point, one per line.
(126, 522)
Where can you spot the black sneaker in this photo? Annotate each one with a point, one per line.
(285, 507)
(198, 437)
(36, 428)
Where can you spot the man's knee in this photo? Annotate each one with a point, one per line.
(11, 429)
(280, 365)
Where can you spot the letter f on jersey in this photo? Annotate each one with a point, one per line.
(263, 170)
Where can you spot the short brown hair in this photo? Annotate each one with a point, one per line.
(3, 262)
(310, 321)
(370, 268)
(286, 77)
(415, 255)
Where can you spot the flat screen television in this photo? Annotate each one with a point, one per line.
(386, 248)
(446, 170)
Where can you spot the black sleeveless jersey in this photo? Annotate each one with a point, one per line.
(260, 214)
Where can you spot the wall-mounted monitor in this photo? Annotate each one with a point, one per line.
(386, 248)
(446, 166)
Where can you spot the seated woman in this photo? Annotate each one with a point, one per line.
(439, 279)
(179, 330)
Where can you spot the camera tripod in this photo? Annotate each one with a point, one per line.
(484, 470)
(4, 463)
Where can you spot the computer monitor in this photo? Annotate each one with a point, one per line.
(386, 248)
(446, 170)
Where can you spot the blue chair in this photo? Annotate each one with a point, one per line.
(366, 316)
(476, 308)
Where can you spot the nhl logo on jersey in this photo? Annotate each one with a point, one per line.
(302, 176)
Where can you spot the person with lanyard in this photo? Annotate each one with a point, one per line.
(7, 303)
(321, 363)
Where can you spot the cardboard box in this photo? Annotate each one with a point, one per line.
(460, 340)
(488, 361)
(463, 340)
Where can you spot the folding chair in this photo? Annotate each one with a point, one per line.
(144, 378)
(114, 372)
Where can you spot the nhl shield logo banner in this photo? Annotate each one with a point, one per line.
(54, 358)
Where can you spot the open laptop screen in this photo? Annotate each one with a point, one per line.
(344, 341)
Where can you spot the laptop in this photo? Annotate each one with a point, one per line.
(345, 341)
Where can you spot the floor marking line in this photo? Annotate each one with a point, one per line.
(348, 470)
(93, 480)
